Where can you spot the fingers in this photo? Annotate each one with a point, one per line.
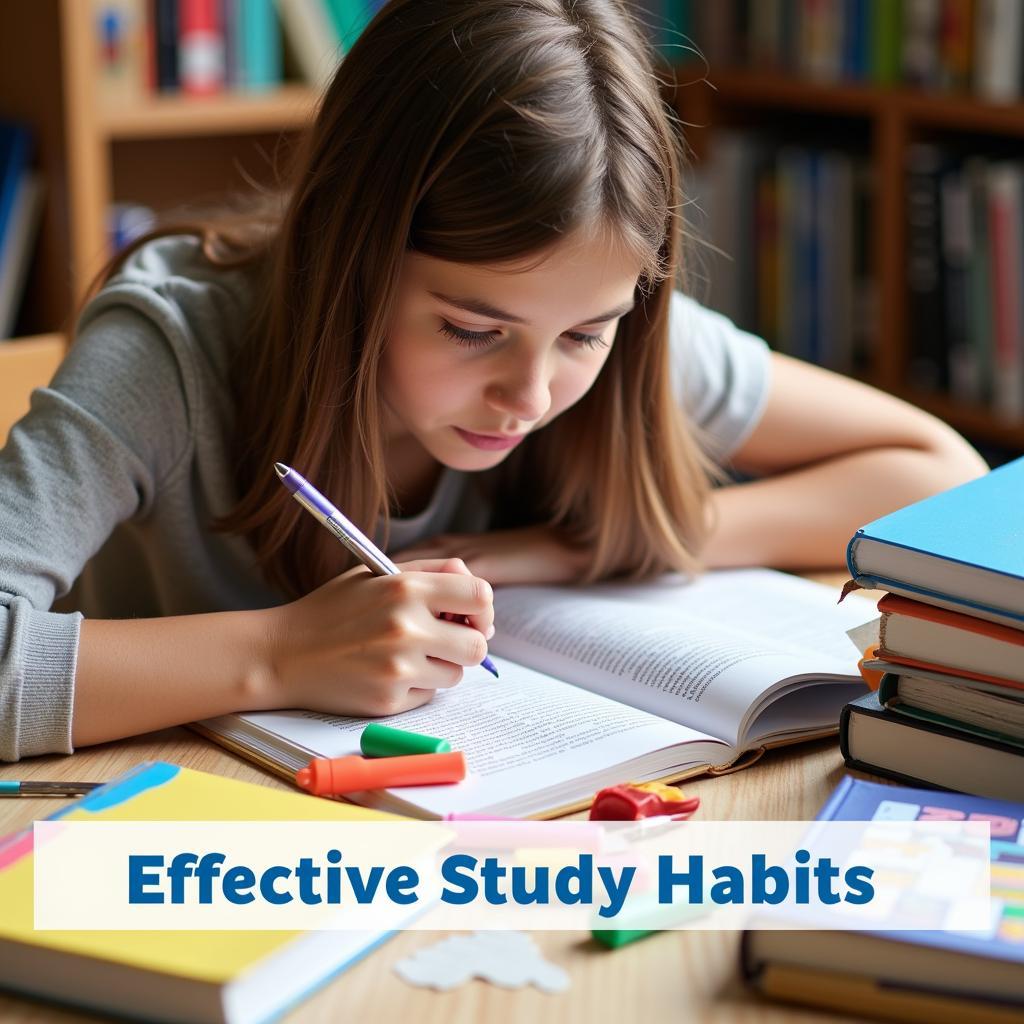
(441, 592)
(455, 643)
(446, 564)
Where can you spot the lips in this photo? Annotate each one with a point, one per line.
(489, 442)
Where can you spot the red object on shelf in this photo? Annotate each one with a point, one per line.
(201, 47)
(634, 800)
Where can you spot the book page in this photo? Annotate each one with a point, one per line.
(704, 654)
(520, 733)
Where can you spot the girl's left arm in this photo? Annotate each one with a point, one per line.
(829, 454)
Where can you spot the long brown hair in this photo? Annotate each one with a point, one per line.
(471, 131)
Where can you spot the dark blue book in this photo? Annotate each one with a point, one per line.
(962, 549)
(939, 976)
(15, 154)
(856, 29)
(165, 30)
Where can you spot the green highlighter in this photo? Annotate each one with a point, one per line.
(647, 917)
(383, 741)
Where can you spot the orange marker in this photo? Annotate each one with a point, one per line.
(326, 776)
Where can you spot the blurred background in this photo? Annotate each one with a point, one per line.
(855, 193)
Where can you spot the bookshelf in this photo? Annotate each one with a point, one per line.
(891, 118)
(90, 155)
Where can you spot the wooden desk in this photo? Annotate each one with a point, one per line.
(672, 976)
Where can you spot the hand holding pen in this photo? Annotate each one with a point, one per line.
(373, 558)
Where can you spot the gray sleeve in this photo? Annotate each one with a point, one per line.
(90, 453)
(721, 375)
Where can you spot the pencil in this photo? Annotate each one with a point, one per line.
(13, 787)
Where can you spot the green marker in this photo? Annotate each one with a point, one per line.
(383, 741)
(645, 916)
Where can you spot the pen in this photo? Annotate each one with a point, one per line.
(12, 787)
(348, 533)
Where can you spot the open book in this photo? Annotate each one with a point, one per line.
(607, 684)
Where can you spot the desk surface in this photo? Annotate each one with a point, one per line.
(671, 976)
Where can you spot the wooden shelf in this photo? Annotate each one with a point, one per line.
(288, 107)
(953, 111)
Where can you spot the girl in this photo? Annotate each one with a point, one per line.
(461, 325)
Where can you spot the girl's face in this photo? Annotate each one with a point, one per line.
(480, 355)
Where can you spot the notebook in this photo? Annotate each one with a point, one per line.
(913, 750)
(934, 976)
(202, 976)
(605, 684)
(960, 549)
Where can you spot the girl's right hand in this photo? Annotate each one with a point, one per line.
(375, 645)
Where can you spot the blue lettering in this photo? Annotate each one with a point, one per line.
(452, 871)
(138, 879)
(267, 890)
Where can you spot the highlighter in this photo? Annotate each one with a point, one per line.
(333, 776)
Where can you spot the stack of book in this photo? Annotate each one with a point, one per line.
(949, 711)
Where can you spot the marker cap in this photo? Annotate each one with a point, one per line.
(383, 741)
(334, 776)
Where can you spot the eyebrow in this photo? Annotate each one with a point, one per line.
(483, 308)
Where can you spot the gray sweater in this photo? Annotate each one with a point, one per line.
(108, 483)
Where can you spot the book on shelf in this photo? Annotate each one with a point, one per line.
(163, 47)
(962, 370)
(998, 58)
(1006, 268)
(21, 199)
(959, 549)
(922, 752)
(258, 61)
(201, 976)
(598, 685)
(320, 32)
(943, 977)
(927, 367)
(202, 47)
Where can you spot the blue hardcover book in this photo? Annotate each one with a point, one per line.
(939, 976)
(962, 549)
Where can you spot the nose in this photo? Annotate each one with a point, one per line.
(521, 389)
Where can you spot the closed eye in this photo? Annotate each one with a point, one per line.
(480, 339)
